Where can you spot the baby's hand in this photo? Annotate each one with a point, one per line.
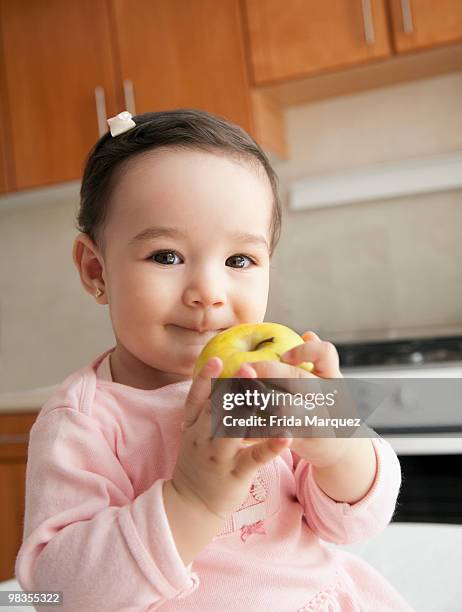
(216, 473)
(320, 452)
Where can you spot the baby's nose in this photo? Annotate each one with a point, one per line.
(206, 295)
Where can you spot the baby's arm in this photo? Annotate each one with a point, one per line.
(193, 527)
(85, 533)
(349, 478)
(345, 523)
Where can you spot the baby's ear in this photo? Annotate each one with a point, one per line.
(90, 266)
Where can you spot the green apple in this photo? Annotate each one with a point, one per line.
(249, 342)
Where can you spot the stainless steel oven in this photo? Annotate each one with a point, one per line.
(430, 450)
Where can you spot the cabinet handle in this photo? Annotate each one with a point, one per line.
(129, 95)
(368, 22)
(9, 438)
(101, 110)
(406, 13)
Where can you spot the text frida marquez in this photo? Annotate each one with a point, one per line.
(289, 421)
(261, 400)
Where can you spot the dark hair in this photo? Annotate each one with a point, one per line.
(189, 129)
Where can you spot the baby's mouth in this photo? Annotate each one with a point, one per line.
(195, 332)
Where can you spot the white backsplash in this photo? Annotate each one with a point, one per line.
(386, 265)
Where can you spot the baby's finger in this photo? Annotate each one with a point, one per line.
(200, 390)
(278, 369)
(246, 371)
(253, 457)
(227, 447)
(310, 335)
(322, 353)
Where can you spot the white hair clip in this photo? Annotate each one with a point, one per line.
(121, 123)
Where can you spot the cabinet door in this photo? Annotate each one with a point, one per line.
(295, 38)
(184, 53)
(14, 434)
(418, 24)
(55, 52)
(3, 176)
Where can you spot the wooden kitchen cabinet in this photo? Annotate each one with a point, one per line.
(14, 435)
(191, 54)
(3, 170)
(243, 59)
(296, 38)
(4, 157)
(56, 52)
(183, 54)
(175, 53)
(419, 24)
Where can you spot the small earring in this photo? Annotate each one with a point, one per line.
(98, 293)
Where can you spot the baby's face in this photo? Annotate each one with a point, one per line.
(204, 274)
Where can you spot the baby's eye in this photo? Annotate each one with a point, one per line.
(168, 258)
(165, 257)
(240, 258)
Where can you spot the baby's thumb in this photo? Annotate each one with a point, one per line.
(200, 390)
(259, 454)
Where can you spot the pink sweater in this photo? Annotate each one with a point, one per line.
(96, 528)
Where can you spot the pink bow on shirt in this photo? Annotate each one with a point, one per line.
(246, 530)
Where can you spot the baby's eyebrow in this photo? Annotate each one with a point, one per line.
(171, 232)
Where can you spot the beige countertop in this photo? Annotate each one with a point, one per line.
(26, 401)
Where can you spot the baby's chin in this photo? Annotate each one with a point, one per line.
(183, 368)
(185, 359)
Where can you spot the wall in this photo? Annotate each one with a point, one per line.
(394, 264)
(49, 326)
(343, 270)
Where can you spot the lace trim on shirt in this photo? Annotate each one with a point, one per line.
(334, 598)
